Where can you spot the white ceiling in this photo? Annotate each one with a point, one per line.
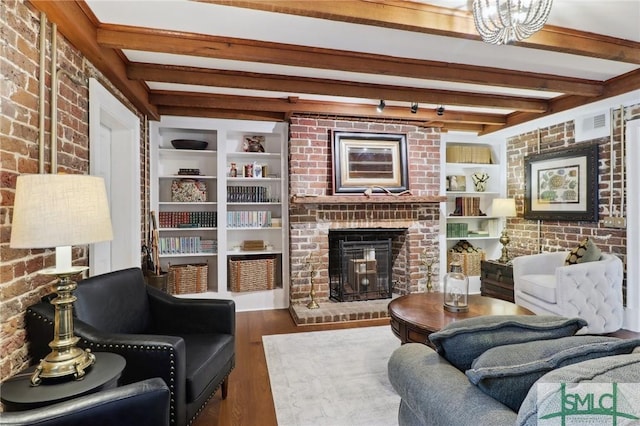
(616, 18)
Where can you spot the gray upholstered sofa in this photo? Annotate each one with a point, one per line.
(501, 381)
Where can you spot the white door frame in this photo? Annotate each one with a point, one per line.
(632, 176)
(114, 154)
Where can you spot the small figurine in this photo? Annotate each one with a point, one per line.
(253, 144)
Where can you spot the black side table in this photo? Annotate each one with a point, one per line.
(496, 280)
(17, 394)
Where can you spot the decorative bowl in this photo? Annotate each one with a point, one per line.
(189, 144)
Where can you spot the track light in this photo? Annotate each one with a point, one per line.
(440, 110)
(414, 107)
(381, 105)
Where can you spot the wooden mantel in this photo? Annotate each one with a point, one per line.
(362, 199)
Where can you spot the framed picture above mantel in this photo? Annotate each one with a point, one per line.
(369, 161)
(562, 185)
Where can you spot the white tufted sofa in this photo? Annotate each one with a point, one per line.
(591, 290)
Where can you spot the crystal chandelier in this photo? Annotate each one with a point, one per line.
(508, 21)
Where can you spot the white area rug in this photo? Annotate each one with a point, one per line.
(333, 378)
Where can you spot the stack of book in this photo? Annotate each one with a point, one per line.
(208, 246)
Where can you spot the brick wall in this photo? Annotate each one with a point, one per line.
(528, 236)
(21, 285)
(310, 166)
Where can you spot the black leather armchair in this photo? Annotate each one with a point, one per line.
(144, 403)
(189, 343)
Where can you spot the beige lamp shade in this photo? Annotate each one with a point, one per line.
(54, 210)
(504, 207)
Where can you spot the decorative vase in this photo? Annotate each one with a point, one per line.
(158, 281)
(480, 186)
(456, 289)
(480, 181)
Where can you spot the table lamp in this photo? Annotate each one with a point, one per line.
(61, 210)
(504, 207)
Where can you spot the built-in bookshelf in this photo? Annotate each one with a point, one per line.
(466, 213)
(241, 201)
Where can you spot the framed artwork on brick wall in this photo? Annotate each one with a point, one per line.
(369, 161)
(562, 185)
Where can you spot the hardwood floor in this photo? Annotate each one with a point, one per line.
(249, 402)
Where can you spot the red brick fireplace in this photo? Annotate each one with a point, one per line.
(314, 211)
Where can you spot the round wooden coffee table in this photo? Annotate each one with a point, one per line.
(415, 316)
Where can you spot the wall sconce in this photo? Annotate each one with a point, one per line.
(440, 110)
(381, 106)
(414, 107)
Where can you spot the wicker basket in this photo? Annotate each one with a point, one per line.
(470, 261)
(184, 279)
(252, 274)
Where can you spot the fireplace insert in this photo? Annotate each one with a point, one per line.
(361, 270)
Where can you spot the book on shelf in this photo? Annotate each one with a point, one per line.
(186, 245)
(467, 206)
(457, 230)
(248, 194)
(198, 219)
(469, 153)
(249, 219)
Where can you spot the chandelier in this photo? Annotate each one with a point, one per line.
(508, 21)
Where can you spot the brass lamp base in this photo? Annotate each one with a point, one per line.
(504, 240)
(65, 359)
(56, 365)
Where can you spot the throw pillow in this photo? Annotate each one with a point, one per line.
(586, 251)
(506, 373)
(463, 341)
(612, 369)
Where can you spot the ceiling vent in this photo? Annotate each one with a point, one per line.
(592, 126)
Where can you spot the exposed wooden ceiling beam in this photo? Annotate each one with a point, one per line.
(614, 87)
(72, 22)
(418, 17)
(283, 105)
(213, 113)
(291, 84)
(181, 43)
(267, 116)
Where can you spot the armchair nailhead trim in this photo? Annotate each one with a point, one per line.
(172, 368)
(199, 410)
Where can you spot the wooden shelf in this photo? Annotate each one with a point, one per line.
(362, 199)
